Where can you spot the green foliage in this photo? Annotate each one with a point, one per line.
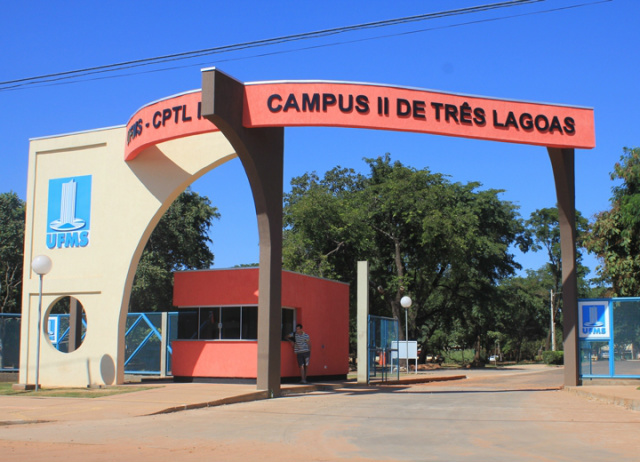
(544, 228)
(179, 242)
(521, 315)
(553, 357)
(545, 231)
(12, 224)
(528, 350)
(458, 357)
(445, 244)
(615, 234)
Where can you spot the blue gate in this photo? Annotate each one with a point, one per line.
(147, 350)
(383, 336)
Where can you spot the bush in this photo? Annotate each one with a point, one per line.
(553, 357)
(458, 356)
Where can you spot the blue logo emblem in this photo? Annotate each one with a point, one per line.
(593, 315)
(594, 320)
(69, 212)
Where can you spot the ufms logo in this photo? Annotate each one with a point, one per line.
(594, 320)
(69, 212)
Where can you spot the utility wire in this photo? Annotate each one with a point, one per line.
(378, 37)
(10, 84)
(77, 74)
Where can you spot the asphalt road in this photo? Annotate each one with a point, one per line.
(515, 415)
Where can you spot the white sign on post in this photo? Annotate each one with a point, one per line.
(52, 329)
(402, 347)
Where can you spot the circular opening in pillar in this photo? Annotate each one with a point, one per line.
(65, 324)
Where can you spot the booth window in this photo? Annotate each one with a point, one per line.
(250, 322)
(188, 324)
(209, 323)
(226, 323)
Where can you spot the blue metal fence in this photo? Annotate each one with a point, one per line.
(609, 332)
(147, 341)
(148, 351)
(9, 342)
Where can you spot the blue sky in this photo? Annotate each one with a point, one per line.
(574, 52)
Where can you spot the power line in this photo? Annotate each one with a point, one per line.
(109, 68)
(11, 84)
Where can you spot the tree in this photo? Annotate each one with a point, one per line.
(544, 227)
(522, 316)
(615, 235)
(179, 242)
(323, 233)
(447, 245)
(12, 224)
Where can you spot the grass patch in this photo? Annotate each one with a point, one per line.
(6, 389)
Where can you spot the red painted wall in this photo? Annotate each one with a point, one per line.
(322, 306)
(228, 359)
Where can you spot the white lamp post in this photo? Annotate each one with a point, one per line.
(405, 302)
(41, 265)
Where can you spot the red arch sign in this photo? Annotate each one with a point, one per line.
(380, 107)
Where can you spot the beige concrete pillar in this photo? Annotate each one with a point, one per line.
(363, 321)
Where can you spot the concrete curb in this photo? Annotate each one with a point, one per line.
(409, 381)
(256, 396)
(629, 403)
(263, 394)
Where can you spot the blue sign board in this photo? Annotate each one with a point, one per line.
(593, 320)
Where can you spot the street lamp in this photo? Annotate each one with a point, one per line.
(41, 265)
(406, 304)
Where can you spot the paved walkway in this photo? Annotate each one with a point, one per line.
(167, 396)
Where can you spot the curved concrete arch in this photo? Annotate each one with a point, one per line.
(164, 153)
(127, 201)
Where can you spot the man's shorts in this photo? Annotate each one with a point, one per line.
(303, 358)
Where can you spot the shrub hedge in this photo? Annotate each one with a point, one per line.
(553, 357)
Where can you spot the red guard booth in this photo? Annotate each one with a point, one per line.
(218, 324)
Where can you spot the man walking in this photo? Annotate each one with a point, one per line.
(302, 348)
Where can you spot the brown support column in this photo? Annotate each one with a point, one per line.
(562, 161)
(261, 151)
